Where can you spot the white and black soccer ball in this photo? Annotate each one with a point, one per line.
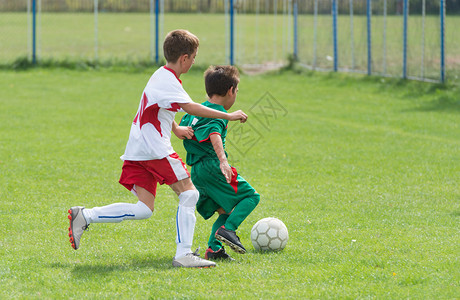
(269, 234)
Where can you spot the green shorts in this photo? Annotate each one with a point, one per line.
(214, 190)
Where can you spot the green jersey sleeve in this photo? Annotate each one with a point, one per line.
(206, 127)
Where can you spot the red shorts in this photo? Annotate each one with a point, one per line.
(148, 174)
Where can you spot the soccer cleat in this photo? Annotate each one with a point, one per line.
(217, 255)
(230, 238)
(192, 260)
(77, 225)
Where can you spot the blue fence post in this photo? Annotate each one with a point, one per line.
(34, 31)
(405, 12)
(369, 36)
(296, 49)
(232, 32)
(152, 29)
(334, 29)
(442, 13)
(157, 18)
(96, 30)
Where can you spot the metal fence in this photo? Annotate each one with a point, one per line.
(398, 38)
(385, 38)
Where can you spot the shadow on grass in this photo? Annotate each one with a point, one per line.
(456, 213)
(445, 97)
(444, 103)
(85, 270)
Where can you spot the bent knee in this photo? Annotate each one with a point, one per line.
(143, 211)
(189, 198)
(146, 214)
(255, 198)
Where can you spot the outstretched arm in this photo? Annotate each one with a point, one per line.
(199, 110)
(216, 141)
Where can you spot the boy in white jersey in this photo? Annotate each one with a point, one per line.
(149, 158)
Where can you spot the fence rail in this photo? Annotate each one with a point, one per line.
(218, 6)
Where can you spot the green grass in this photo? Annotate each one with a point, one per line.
(363, 171)
(263, 40)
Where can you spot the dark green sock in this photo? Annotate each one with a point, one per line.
(213, 242)
(241, 211)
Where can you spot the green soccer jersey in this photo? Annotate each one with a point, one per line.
(200, 146)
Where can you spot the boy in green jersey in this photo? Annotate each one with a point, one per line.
(221, 188)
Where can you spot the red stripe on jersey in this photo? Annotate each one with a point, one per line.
(209, 137)
(141, 110)
(150, 115)
(234, 181)
(174, 107)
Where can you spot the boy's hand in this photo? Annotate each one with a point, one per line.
(226, 170)
(183, 132)
(238, 115)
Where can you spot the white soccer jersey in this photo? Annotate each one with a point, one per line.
(150, 135)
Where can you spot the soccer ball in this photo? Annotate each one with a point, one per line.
(269, 234)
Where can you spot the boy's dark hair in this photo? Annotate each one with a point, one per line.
(218, 79)
(179, 42)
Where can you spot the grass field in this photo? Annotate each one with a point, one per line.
(363, 171)
(263, 40)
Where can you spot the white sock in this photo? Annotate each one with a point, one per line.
(117, 212)
(185, 222)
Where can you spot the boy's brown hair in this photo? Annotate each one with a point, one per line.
(219, 79)
(179, 42)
